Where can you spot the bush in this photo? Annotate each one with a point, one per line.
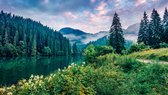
(75, 80)
(8, 50)
(129, 64)
(152, 80)
(91, 52)
(137, 48)
(46, 51)
(21, 48)
(163, 45)
(120, 76)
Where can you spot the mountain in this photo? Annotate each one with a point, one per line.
(69, 31)
(24, 36)
(131, 33)
(133, 29)
(82, 38)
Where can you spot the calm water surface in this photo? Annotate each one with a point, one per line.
(14, 69)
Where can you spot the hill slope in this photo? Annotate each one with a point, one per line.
(20, 36)
(155, 54)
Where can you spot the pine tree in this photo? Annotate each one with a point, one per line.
(155, 30)
(30, 37)
(5, 37)
(116, 39)
(165, 27)
(143, 31)
(75, 50)
(16, 38)
(165, 17)
(34, 45)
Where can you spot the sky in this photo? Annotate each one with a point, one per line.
(90, 16)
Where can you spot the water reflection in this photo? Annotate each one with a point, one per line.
(14, 69)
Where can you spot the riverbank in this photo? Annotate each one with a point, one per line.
(109, 74)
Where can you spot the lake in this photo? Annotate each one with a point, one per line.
(14, 69)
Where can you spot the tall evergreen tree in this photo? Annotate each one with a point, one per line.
(116, 39)
(155, 30)
(29, 37)
(143, 31)
(75, 50)
(165, 27)
(16, 38)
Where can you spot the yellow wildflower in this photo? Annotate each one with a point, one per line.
(9, 93)
(2, 90)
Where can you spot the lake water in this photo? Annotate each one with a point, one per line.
(14, 69)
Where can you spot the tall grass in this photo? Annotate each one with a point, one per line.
(110, 75)
(156, 54)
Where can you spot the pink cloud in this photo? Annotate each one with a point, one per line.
(102, 9)
(92, 1)
(70, 15)
(140, 2)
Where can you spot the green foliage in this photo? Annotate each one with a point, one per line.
(165, 27)
(129, 64)
(30, 37)
(144, 29)
(8, 50)
(91, 52)
(163, 45)
(118, 75)
(75, 80)
(156, 54)
(46, 51)
(116, 39)
(137, 48)
(152, 79)
(154, 33)
(75, 49)
(21, 48)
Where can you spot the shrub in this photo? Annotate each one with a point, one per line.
(92, 52)
(137, 48)
(152, 79)
(129, 64)
(21, 48)
(75, 80)
(46, 51)
(8, 50)
(163, 45)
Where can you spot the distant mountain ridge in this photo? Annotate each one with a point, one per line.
(82, 38)
(68, 30)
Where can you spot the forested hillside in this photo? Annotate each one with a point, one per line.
(20, 36)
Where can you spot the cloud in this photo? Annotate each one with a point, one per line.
(70, 15)
(88, 15)
(139, 2)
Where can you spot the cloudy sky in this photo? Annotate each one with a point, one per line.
(88, 15)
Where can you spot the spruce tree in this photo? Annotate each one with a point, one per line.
(143, 31)
(30, 37)
(165, 27)
(155, 30)
(75, 50)
(116, 39)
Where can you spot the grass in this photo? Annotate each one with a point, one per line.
(110, 75)
(154, 54)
